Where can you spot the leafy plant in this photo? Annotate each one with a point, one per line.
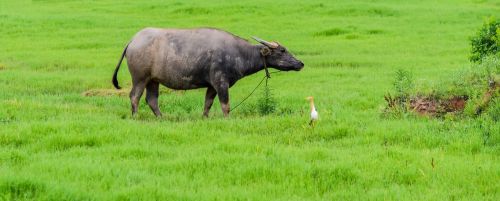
(266, 103)
(486, 41)
(403, 83)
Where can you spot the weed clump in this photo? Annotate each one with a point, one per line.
(267, 103)
(403, 85)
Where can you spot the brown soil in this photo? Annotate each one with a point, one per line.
(106, 92)
(433, 106)
(425, 105)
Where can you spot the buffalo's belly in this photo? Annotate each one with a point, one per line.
(181, 84)
(180, 78)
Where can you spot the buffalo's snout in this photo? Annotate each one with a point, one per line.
(299, 66)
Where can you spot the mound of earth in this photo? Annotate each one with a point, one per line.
(434, 106)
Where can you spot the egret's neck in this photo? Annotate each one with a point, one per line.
(312, 105)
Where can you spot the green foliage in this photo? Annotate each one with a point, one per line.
(397, 101)
(403, 83)
(266, 103)
(486, 41)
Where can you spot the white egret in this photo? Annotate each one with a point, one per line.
(314, 113)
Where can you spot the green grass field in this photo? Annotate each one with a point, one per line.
(59, 143)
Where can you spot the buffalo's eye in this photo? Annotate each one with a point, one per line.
(282, 50)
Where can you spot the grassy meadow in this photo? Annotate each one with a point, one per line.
(67, 134)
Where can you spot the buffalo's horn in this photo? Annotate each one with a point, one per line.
(268, 44)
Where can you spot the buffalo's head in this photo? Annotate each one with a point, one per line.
(278, 56)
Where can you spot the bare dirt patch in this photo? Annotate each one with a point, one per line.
(106, 92)
(427, 105)
(435, 106)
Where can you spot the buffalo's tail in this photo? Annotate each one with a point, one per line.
(115, 75)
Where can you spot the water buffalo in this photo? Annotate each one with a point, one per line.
(196, 58)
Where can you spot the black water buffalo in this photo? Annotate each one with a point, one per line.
(196, 58)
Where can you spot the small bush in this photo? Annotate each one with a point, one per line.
(267, 103)
(486, 41)
(403, 83)
(398, 103)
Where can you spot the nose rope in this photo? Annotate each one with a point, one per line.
(268, 75)
(265, 52)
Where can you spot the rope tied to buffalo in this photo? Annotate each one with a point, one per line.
(266, 77)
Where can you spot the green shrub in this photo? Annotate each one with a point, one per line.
(398, 100)
(267, 103)
(486, 41)
(403, 83)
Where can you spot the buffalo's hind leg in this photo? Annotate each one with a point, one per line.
(152, 93)
(209, 100)
(223, 93)
(135, 95)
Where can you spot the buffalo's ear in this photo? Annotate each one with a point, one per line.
(268, 44)
(265, 51)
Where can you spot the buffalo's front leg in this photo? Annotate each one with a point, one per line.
(209, 100)
(223, 93)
